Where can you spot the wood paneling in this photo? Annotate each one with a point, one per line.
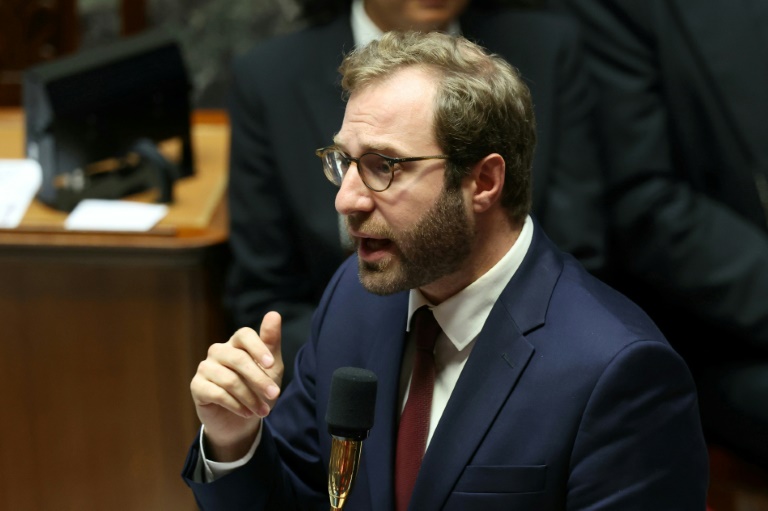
(33, 31)
(96, 355)
(100, 335)
(735, 484)
(133, 16)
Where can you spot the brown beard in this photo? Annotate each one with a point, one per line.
(436, 246)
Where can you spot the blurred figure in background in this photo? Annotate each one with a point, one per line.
(683, 107)
(286, 102)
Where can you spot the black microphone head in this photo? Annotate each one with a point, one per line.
(352, 403)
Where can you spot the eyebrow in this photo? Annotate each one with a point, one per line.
(383, 149)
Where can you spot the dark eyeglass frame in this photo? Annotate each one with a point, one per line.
(324, 152)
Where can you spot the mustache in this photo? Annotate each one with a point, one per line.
(368, 226)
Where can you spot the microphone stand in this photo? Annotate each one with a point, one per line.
(345, 458)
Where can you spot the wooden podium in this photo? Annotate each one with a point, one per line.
(100, 335)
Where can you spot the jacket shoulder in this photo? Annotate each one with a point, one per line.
(535, 27)
(297, 50)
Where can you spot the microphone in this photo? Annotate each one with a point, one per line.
(351, 407)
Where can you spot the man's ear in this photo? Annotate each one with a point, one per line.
(487, 180)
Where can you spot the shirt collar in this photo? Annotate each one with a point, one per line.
(364, 30)
(463, 315)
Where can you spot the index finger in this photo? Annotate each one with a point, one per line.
(249, 341)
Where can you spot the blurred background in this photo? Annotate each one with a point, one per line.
(211, 33)
(101, 333)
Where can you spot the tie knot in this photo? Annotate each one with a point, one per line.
(425, 328)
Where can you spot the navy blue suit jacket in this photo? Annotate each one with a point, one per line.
(570, 399)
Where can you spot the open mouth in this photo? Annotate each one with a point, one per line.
(374, 248)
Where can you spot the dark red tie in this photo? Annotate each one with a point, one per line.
(414, 422)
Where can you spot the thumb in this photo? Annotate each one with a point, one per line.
(271, 335)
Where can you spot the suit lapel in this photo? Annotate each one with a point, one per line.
(728, 36)
(499, 358)
(495, 365)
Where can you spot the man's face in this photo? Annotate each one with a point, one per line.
(435, 246)
(415, 232)
(422, 15)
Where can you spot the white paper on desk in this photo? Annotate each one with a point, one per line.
(114, 215)
(19, 181)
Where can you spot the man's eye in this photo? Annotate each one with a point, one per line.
(379, 166)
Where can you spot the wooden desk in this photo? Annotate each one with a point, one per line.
(100, 335)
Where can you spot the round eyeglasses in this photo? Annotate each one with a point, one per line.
(376, 170)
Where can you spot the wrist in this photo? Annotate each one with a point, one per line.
(225, 449)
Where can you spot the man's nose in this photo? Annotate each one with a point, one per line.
(353, 196)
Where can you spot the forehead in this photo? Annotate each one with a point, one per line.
(396, 113)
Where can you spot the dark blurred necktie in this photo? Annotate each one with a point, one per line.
(414, 422)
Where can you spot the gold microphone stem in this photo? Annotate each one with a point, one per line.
(345, 457)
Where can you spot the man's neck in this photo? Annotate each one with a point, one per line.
(492, 242)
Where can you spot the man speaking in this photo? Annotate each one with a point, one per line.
(508, 377)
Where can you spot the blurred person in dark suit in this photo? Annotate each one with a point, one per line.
(286, 102)
(683, 108)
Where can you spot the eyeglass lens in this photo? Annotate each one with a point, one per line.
(375, 171)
